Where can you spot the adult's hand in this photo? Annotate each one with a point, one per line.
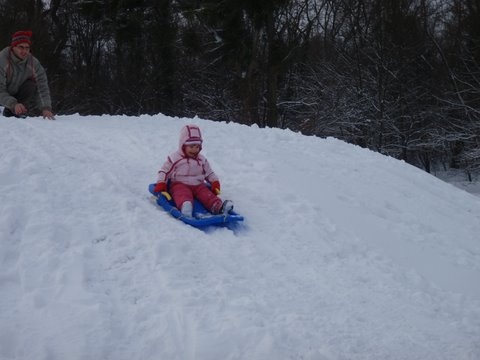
(47, 114)
(20, 109)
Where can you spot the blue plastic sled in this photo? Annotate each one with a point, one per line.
(202, 217)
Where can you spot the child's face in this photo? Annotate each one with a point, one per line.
(192, 150)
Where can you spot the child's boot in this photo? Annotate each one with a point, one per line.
(226, 207)
(187, 209)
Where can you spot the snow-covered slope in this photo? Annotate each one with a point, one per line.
(344, 254)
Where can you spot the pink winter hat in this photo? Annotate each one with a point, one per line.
(190, 134)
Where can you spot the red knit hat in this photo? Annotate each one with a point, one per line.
(21, 37)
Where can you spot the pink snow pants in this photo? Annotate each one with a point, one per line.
(181, 192)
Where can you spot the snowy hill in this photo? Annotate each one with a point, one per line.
(344, 254)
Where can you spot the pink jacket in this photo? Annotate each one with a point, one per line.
(180, 168)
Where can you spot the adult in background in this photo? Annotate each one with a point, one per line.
(24, 87)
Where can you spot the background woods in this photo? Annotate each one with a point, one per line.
(401, 77)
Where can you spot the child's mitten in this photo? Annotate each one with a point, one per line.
(160, 187)
(216, 187)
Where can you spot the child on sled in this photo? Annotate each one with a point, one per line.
(187, 171)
